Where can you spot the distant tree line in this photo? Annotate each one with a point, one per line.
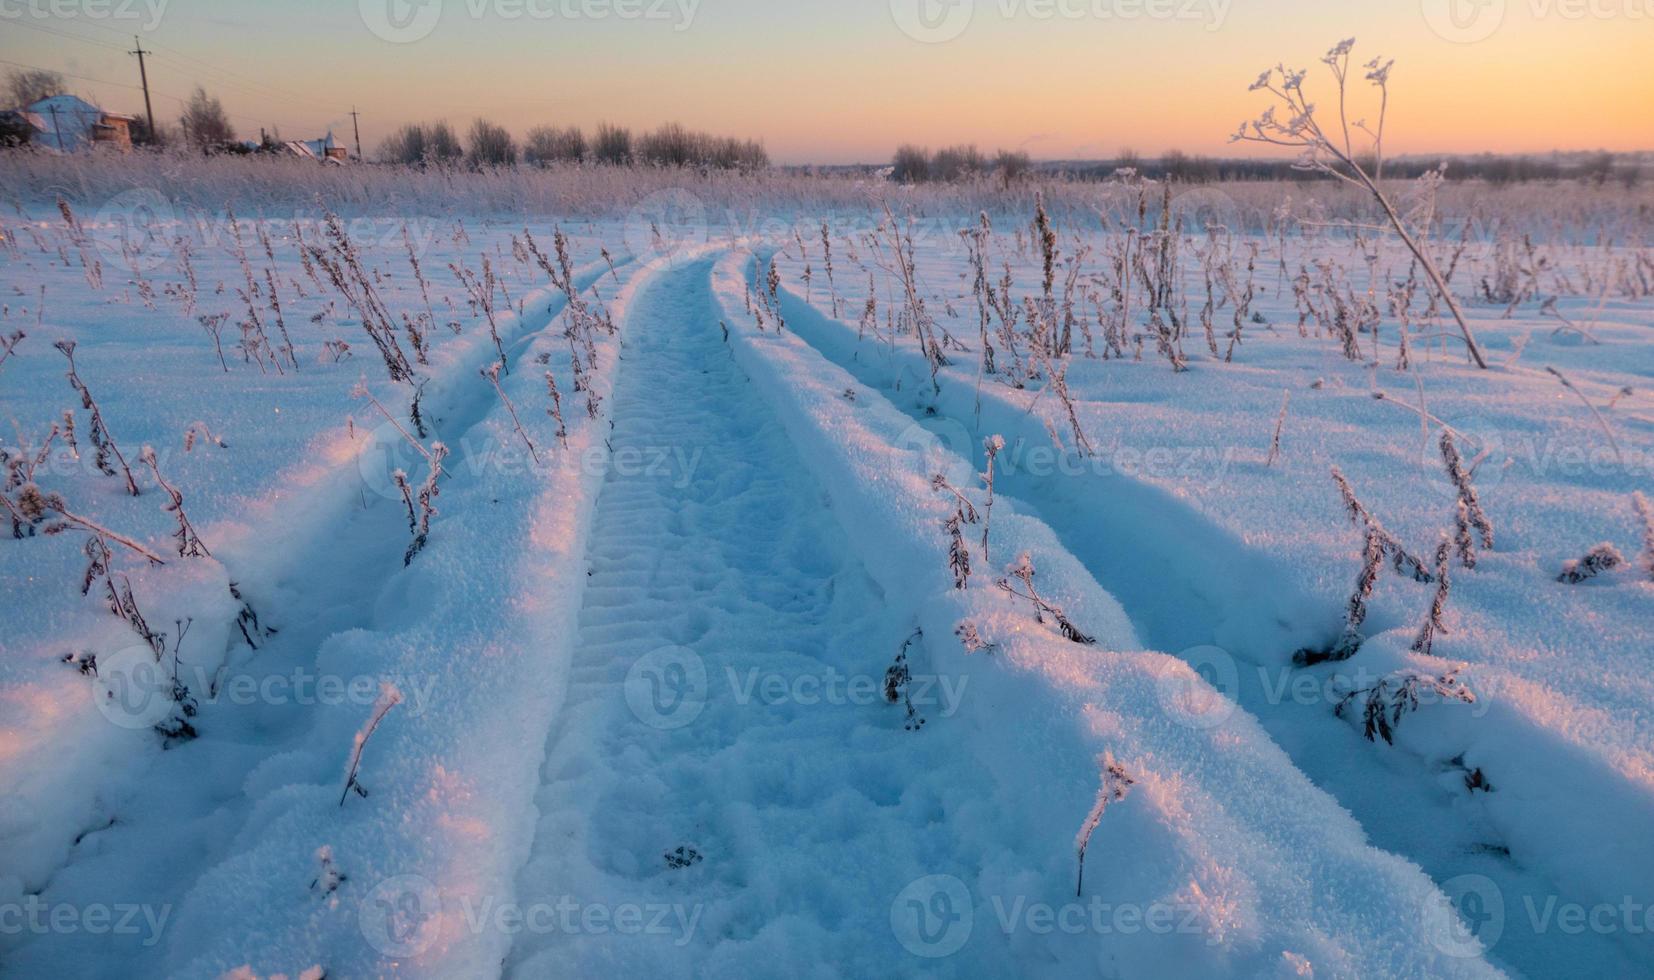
(914, 165)
(488, 145)
(917, 165)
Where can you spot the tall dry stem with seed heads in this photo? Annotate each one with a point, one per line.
(1334, 153)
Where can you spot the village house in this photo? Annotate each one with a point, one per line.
(325, 150)
(69, 123)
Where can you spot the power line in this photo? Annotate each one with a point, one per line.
(186, 62)
(73, 37)
(136, 88)
(69, 74)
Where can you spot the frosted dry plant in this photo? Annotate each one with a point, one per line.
(1384, 704)
(97, 433)
(1023, 571)
(1355, 610)
(1645, 512)
(340, 261)
(970, 637)
(481, 292)
(389, 697)
(556, 409)
(329, 877)
(1434, 620)
(1601, 422)
(992, 446)
(1280, 427)
(8, 345)
(964, 512)
(421, 504)
(1115, 784)
(898, 679)
(1404, 562)
(1602, 558)
(1334, 152)
(189, 542)
(1466, 490)
(492, 374)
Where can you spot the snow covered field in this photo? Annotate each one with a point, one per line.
(629, 596)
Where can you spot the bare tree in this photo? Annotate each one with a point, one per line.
(612, 145)
(26, 86)
(405, 146)
(204, 120)
(491, 145)
(1334, 153)
(911, 165)
(546, 145)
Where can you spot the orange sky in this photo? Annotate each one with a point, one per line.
(841, 80)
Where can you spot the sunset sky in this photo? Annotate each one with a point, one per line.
(834, 81)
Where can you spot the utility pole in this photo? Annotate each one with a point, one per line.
(143, 74)
(357, 125)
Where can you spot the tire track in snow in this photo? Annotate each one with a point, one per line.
(1177, 607)
(196, 804)
(801, 813)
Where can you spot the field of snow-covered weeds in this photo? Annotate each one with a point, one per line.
(649, 573)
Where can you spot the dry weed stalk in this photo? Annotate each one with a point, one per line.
(189, 542)
(389, 697)
(1115, 786)
(1603, 558)
(1335, 154)
(1393, 698)
(97, 433)
(1023, 571)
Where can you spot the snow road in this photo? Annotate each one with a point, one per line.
(725, 761)
(658, 742)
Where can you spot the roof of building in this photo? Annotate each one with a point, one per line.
(67, 122)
